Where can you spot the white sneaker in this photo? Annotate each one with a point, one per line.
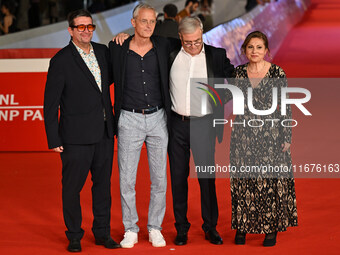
(156, 238)
(130, 238)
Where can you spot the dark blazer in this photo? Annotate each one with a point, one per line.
(71, 85)
(167, 28)
(218, 68)
(118, 56)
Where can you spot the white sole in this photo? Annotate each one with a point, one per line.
(128, 246)
(157, 246)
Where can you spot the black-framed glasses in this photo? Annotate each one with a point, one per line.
(82, 27)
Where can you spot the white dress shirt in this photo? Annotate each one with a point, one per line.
(186, 71)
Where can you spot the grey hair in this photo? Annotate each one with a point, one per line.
(189, 25)
(141, 6)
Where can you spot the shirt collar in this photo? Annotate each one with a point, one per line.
(202, 51)
(81, 51)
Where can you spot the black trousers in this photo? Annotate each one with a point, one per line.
(77, 161)
(198, 136)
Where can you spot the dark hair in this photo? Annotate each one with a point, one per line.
(75, 14)
(170, 10)
(255, 34)
(10, 5)
(188, 1)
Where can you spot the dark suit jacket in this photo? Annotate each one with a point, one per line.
(118, 56)
(167, 28)
(71, 85)
(218, 68)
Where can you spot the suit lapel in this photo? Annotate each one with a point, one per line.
(160, 53)
(210, 71)
(172, 57)
(125, 49)
(102, 65)
(209, 61)
(80, 62)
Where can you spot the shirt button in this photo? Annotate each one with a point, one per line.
(144, 82)
(142, 71)
(146, 95)
(141, 59)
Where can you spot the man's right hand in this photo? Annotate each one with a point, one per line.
(120, 38)
(58, 149)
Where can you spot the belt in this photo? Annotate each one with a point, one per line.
(182, 117)
(143, 111)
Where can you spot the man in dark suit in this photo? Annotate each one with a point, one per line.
(191, 128)
(78, 82)
(142, 108)
(168, 27)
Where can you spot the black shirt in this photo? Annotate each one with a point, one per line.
(142, 89)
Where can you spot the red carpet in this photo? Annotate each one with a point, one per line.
(30, 190)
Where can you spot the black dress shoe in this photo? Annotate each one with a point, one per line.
(74, 246)
(240, 238)
(181, 239)
(107, 242)
(213, 237)
(270, 239)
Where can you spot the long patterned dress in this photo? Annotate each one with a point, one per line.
(263, 202)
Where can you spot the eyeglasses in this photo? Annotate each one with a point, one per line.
(146, 22)
(195, 43)
(82, 27)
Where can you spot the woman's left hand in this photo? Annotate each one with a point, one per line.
(285, 146)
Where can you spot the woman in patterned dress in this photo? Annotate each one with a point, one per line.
(262, 202)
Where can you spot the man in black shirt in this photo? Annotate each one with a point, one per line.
(142, 103)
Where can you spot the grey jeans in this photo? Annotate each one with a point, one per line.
(133, 130)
